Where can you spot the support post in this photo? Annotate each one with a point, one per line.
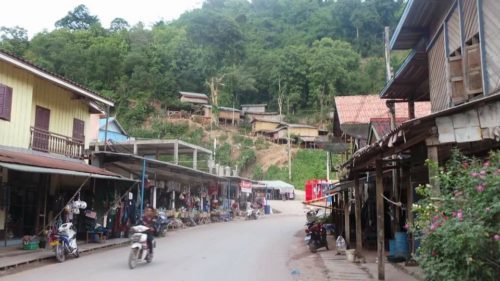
(357, 196)
(176, 152)
(432, 154)
(154, 197)
(380, 220)
(143, 179)
(135, 149)
(411, 109)
(346, 219)
(106, 129)
(173, 200)
(195, 159)
(409, 201)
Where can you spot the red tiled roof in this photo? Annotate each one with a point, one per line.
(32, 158)
(382, 126)
(360, 109)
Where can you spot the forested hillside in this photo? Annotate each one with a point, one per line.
(306, 51)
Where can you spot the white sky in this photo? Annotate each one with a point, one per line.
(37, 15)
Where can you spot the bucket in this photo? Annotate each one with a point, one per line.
(392, 247)
(401, 249)
(267, 209)
(350, 254)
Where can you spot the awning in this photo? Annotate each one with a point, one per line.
(282, 186)
(40, 162)
(42, 170)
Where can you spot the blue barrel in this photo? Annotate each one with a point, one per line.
(392, 247)
(401, 249)
(267, 209)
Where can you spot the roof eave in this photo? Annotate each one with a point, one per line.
(38, 72)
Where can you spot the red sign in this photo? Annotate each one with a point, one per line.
(246, 186)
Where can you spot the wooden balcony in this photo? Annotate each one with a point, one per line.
(42, 140)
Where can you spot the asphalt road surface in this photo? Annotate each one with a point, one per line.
(239, 250)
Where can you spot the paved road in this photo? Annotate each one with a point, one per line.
(240, 250)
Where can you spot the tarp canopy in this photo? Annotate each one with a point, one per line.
(282, 186)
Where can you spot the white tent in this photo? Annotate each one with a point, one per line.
(282, 186)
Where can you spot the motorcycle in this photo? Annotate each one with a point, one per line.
(161, 222)
(64, 242)
(252, 214)
(139, 251)
(317, 237)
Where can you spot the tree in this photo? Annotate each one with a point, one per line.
(79, 18)
(14, 40)
(331, 63)
(118, 24)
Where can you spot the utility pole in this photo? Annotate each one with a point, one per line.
(387, 55)
(289, 154)
(328, 166)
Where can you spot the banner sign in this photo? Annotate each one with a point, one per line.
(246, 186)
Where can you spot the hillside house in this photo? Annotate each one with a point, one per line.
(253, 108)
(264, 127)
(227, 115)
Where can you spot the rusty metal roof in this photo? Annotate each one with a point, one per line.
(36, 159)
(360, 109)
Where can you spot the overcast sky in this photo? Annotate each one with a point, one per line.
(37, 15)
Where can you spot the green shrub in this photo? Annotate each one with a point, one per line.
(459, 227)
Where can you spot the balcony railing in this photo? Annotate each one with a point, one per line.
(42, 140)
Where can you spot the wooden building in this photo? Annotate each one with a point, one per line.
(253, 108)
(227, 115)
(44, 135)
(264, 127)
(454, 63)
(352, 116)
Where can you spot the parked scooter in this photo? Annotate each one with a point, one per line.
(317, 237)
(161, 224)
(64, 242)
(252, 213)
(139, 251)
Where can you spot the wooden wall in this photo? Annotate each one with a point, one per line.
(453, 25)
(63, 108)
(470, 18)
(491, 13)
(304, 132)
(16, 132)
(263, 126)
(437, 76)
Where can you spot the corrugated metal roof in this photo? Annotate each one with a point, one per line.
(410, 80)
(360, 109)
(36, 159)
(382, 126)
(415, 21)
(194, 95)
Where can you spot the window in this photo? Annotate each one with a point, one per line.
(79, 130)
(5, 102)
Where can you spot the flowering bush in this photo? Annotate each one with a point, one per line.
(459, 227)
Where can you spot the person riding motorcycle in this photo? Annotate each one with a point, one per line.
(148, 220)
